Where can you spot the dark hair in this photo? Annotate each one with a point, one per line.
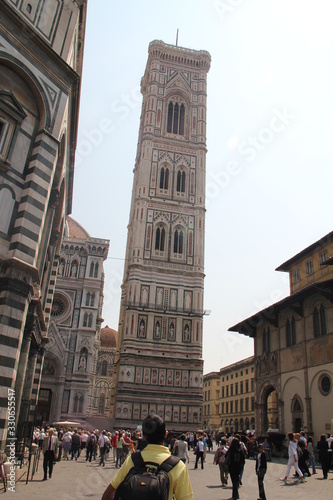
(309, 439)
(234, 445)
(290, 436)
(153, 429)
(182, 437)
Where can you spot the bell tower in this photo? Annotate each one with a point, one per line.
(159, 363)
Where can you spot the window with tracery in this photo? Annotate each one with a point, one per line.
(178, 241)
(319, 321)
(104, 368)
(78, 404)
(291, 332)
(181, 178)
(176, 118)
(160, 239)
(164, 178)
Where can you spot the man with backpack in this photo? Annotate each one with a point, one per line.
(152, 473)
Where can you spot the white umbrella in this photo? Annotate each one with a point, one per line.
(67, 423)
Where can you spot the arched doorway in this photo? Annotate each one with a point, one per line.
(297, 413)
(270, 414)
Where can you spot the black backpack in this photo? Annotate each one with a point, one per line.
(144, 482)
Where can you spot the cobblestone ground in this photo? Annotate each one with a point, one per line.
(80, 479)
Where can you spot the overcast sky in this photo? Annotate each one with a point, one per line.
(269, 139)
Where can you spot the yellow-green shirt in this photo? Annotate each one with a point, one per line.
(179, 479)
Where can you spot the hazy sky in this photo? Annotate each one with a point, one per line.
(269, 138)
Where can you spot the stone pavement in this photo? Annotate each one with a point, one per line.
(80, 479)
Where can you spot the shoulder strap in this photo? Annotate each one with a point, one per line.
(169, 464)
(166, 466)
(138, 460)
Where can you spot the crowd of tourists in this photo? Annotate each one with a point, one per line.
(232, 451)
(230, 455)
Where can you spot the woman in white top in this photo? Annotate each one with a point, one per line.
(182, 447)
(293, 458)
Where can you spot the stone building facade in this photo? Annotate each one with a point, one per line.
(159, 359)
(72, 353)
(229, 398)
(293, 341)
(41, 53)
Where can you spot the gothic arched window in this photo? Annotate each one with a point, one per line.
(316, 323)
(80, 408)
(164, 178)
(96, 270)
(90, 320)
(181, 178)
(92, 299)
(104, 368)
(85, 319)
(176, 118)
(322, 320)
(319, 321)
(88, 299)
(293, 331)
(91, 272)
(160, 239)
(178, 242)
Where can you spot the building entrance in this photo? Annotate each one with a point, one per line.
(44, 406)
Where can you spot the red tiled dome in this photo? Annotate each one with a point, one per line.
(108, 337)
(74, 230)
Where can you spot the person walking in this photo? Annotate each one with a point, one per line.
(102, 441)
(293, 459)
(67, 443)
(199, 453)
(91, 443)
(205, 443)
(312, 459)
(154, 454)
(76, 444)
(322, 447)
(235, 460)
(261, 469)
(114, 441)
(219, 459)
(50, 450)
(182, 449)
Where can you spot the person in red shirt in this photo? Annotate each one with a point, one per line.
(114, 442)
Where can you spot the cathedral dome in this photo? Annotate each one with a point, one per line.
(108, 337)
(74, 230)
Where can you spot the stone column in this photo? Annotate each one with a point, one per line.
(37, 380)
(281, 415)
(22, 372)
(29, 379)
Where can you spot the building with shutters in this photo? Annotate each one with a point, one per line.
(293, 347)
